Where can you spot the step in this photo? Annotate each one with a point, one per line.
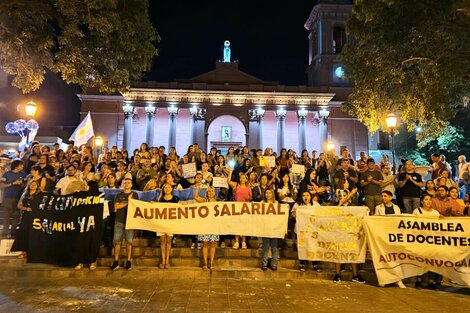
(11, 271)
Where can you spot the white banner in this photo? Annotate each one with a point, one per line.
(331, 234)
(407, 246)
(218, 218)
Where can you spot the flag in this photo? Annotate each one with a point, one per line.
(83, 132)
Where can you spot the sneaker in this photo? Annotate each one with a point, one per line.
(274, 268)
(92, 266)
(78, 267)
(199, 245)
(337, 278)
(264, 268)
(222, 244)
(243, 245)
(128, 265)
(316, 268)
(400, 284)
(302, 268)
(358, 279)
(114, 266)
(193, 245)
(235, 245)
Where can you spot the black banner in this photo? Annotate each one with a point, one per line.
(66, 230)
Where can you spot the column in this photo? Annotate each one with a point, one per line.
(301, 116)
(172, 115)
(255, 128)
(323, 126)
(197, 127)
(150, 124)
(281, 123)
(129, 112)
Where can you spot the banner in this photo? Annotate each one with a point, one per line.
(331, 234)
(218, 218)
(406, 246)
(65, 230)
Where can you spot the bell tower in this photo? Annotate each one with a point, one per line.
(326, 27)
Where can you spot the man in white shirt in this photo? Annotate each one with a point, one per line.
(463, 170)
(69, 178)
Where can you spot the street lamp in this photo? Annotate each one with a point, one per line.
(391, 121)
(31, 108)
(330, 145)
(99, 141)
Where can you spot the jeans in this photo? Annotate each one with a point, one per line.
(10, 216)
(270, 243)
(410, 204)
(120, 232)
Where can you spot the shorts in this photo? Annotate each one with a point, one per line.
(120, 233)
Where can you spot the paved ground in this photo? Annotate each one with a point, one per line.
(128, 293)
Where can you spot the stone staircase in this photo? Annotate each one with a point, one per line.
(185, 263)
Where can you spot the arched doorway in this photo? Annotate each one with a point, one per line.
(226, 131)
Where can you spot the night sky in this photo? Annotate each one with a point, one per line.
(267, 38)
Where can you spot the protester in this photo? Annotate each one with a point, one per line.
(209, 242)
(387, 207)
(63, 184)
(306, 201)
(445, 205)
(241, 193)
(426, 210)
(120, 205)
(372, 183)
(28, 200)
(13, 182)
(269, 243)
(410, 184)
(166, 238)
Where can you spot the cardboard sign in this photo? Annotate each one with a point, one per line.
(219, 182)
(269, 161)
(189, 170)
(298, 169)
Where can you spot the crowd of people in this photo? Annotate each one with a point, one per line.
(327, 179)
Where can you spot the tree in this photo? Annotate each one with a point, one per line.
(102, 44)
(411, 58)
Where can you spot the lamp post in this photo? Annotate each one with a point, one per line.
(330, 145)
(391, 121)
(31, 108)
(98, 144)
